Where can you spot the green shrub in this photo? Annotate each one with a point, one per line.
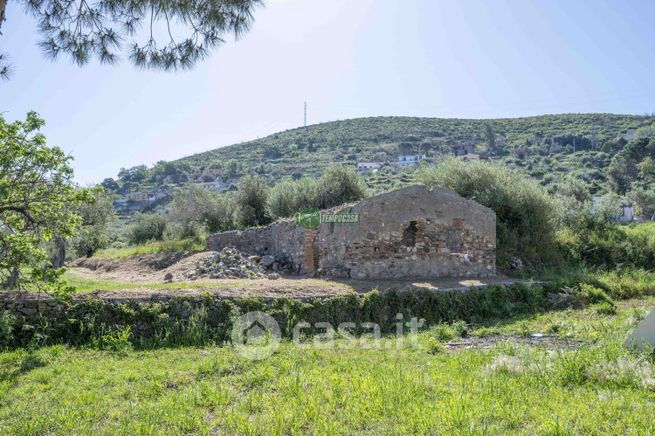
(196, 208)
(434, 346)
(627, 283)
(98, 217)
(147, 227)
(292, 196)
(117, 340)
(594, 241)
(527, 217)
(88, 241)
(7, 321)
(447, 332)
(606, 309)
(593, 295)
(251, 201)
(443, 332)
(339, 185)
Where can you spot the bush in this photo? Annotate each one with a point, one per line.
(444, 332)
(594, 241)
(147, 227)
(292, 196)
(526, 217)
(98, 217)
(590, 294)
(196, 207)
(87, 242)
(251, 201)
(7, 320)
(339, 185)
(606, 309)
(193, 321)
(117, 341)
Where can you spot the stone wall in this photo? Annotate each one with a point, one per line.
(412, 232)
(283, 240)
(408, 233)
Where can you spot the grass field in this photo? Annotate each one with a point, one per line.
(597, 388)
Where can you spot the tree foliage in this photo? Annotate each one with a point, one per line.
(338, 185)
(526, 216)
(97, 216)
(195, 207)
(251, 199)
(146, 228)
(291, 196)
(37, 201)
(625, 168)
(156, 34)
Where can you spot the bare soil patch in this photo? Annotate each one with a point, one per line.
(143, 268)
(152, 270)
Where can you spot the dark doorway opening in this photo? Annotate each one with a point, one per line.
(409, 235)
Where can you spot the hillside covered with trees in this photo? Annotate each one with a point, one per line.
(573, 151)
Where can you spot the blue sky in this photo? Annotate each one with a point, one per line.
(346, 58)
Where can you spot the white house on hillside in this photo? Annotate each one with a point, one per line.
(369, 165)
(410, 159)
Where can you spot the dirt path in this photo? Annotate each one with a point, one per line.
(143, 277)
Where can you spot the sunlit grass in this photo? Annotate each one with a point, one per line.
(83, 284)
(179, 246)
(343, 389)
(586, 324)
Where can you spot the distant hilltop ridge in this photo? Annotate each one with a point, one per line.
(540, 145)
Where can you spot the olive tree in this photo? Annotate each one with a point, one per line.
(195, 206)
(251, 199)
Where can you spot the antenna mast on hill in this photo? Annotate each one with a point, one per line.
(305, 125)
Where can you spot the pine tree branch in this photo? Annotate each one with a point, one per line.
(3, 7)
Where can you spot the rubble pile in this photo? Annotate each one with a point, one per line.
(230, 263)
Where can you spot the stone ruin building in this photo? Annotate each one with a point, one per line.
(412, 232)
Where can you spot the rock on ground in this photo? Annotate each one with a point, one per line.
(230, 263)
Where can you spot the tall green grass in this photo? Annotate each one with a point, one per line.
(396, 388)
(180, 246)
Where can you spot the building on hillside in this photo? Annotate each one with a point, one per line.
(363, 166)
(139, 197)
(410, 159)
(626, 214)
(138, 201)
(463, 149)
(216, 185)
(408, 233)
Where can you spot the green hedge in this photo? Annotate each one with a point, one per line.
(201, 321)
